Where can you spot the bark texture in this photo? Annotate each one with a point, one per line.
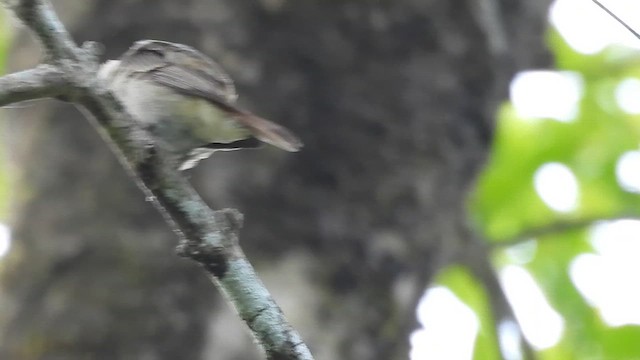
(395, 102)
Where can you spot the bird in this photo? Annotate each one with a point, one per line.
(188, 102)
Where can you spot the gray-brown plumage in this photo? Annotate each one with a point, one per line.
(188, 102)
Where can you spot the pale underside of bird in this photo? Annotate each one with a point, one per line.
(188, 102)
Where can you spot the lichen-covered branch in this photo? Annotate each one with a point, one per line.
(41, 82)
(206, 236)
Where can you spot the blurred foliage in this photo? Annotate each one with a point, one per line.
(506, 203)
(507, 209)
(467, 288)
(5, 38)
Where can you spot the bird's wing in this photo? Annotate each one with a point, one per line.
(190, 72)
(180, 67)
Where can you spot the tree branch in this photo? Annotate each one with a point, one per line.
(481, 266)
(502, 310)
(559, 226)
(206, 236)
(41, 82)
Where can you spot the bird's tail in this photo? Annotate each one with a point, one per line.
(269, 132)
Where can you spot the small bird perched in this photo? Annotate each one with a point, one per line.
(187, 101)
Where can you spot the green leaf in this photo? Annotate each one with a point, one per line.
(460, 281)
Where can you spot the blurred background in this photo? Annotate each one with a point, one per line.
(468, 187)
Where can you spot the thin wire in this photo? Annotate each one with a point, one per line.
(635, 33)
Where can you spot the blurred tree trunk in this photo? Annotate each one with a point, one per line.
(395, 101)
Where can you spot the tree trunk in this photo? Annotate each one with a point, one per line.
(395, 102)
